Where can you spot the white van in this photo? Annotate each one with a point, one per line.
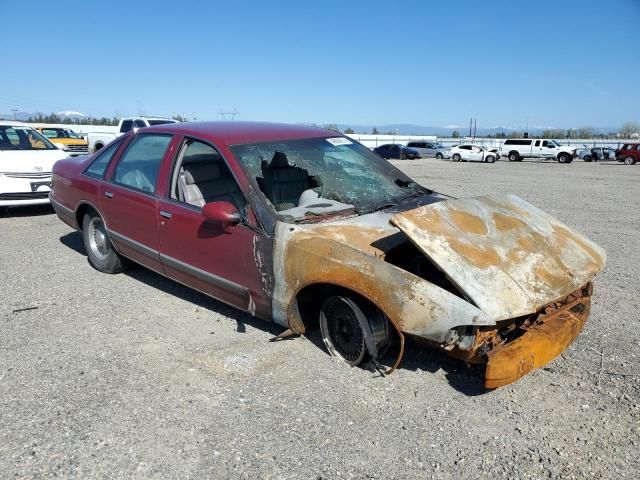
(515, 149)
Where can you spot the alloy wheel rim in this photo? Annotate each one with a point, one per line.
(98, 240)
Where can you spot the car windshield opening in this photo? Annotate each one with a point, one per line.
(315, 178)
(23, 138)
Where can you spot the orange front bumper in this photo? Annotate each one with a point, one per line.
(539, 345)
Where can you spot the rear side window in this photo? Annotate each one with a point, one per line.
(517, 142)
(625, 147)
(99, 165)
(139, 165)
(140, 124)
(126, 126)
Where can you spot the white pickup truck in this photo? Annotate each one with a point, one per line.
(98, 140)
(515, 149)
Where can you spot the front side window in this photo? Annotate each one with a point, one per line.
(139, 165)
(310, 179)
(23, 138)
(202, 176)
(99, 165)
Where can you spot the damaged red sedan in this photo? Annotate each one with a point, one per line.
(307, 228)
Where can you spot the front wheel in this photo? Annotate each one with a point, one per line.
(456, 157)
(491, 159)
(102, 256)
(403, 156)
(439, 156)
(587, 158)
(629, 161)
(347, 328)
(564, 158)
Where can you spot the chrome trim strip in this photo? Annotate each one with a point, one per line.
(204, 276)
(139, 247)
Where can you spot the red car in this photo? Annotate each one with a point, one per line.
(629, 153)
(307, 228)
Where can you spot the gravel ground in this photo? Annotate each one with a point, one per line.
(134, 376)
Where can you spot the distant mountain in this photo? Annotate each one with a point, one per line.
(72, 114)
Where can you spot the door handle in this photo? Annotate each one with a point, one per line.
(108, 194)
(164, 214)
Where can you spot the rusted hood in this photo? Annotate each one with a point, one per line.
(509, 257)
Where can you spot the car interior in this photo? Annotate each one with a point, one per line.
(204, 178)
(283, 183)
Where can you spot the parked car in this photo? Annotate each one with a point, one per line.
(629, 153)
(597, 153)
(472, 153)
(305, 227)
(26, 160)
(430, 149)
(394, 150)
(518, 148)
(65, 139)
(98, 140)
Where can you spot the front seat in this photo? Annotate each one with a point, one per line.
(206, 182)
(283, 183)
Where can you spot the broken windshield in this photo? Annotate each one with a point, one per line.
(312, 177)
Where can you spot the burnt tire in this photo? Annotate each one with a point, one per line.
(514, 157)
(100, 252)
(629, 161)
(351, 329)
(456, 157)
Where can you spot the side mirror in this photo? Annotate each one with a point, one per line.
(224, 213)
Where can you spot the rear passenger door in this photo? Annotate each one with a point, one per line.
(128, 199)
(202, 254)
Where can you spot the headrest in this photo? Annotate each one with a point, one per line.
(279, 160)
(201, 172)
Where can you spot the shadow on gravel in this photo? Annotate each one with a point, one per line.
(26, 211)
(73, 240)
(467, 379)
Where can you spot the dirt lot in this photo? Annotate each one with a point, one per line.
(134, 376)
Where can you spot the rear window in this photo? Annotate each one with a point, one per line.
(159, 122)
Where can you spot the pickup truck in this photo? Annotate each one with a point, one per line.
(98, 140)
(515, 149)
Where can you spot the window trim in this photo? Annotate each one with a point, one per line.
(111, 178)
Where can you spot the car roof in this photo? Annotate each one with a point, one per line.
(237, 133)
(12, 123)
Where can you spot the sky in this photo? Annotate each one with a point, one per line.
(508, 63)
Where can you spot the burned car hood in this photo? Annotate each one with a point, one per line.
(507, 256)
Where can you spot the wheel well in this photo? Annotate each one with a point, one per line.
(514, 151)
(80, 213)
(310, 298)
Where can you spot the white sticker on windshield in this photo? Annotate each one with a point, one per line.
(339, 141)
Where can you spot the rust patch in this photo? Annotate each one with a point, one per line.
(506, 222)
(555, 280)
(468, 222)
(564, 234)
(479, 257)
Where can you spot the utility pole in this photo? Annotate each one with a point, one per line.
(14, 110)
(224, 115)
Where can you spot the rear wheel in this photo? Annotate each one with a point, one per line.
(347, 327)
(439, 156)
(587, 158)
(456, 157)
(629, 161)
(100, 251)
(514, 157)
